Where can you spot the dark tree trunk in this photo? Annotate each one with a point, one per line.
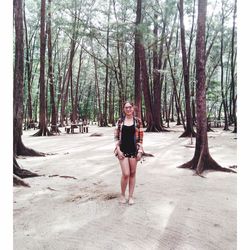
(18, 147)
(118, 70)
(51, 75)
(156, 80)
(171, 108)
(97, 94)
(222, 69)
(68, 76)
(105, 115)
(177, 99)
(189, 124)
(233, 56)
(137, 77)
(141, 75)
(28, 71)
(202, 159)
(61, 86)
(75, 107)
(43, 130)
(165, 108)
(146, 91)
(110, 106)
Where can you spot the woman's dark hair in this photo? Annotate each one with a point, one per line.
(127, 102)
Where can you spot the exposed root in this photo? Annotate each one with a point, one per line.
(22, 173)
(188, 134)
(68, 177)
(55, 130)
(43, 132)
(207, 164)
(154, 128)
(24, 151)
(17, 181)
(97, 134)
(213, 165)
(147, 154)
(188, 164)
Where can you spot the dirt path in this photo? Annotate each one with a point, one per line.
(75, 204)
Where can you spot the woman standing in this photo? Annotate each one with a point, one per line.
(129, 138)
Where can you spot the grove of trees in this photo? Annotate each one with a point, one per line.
(83, 58)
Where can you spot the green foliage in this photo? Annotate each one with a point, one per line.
(90, 19)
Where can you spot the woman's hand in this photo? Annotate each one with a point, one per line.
(120, 155)
(139, 155)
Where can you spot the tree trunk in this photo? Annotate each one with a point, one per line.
(68, 77)
(118, 71)
(18, 147)
(146, 91)
(28, 72)
(75, 107)
(43, 130)
(233, 70)
(189, 124)
(111, 103)
(177, 99)
(105, 115)
(222, 69)
(51, 75)
(202, 159)
(156, 80)
(97, 94)
(137, 75)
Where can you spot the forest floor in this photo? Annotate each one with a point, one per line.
(74, 204)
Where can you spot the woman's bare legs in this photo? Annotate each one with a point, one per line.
(125, 177)
(132, 165)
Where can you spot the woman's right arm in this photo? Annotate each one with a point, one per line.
(117, 141)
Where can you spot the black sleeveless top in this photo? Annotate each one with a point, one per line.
(128, 145)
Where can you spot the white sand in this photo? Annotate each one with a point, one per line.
(174, 209)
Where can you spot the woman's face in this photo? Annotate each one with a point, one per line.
(128, 108)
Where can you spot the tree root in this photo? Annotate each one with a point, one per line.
(188, 134)
(154, 128)
(24, 151)
(43, 132)
(147, 155)
(17, 181)
(22, 173)
(208, 164)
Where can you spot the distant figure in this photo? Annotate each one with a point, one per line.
(129, 138)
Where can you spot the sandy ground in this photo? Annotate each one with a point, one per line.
(174, 209)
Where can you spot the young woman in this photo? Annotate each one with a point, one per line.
(129, 138)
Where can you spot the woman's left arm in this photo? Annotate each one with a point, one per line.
(140, 140)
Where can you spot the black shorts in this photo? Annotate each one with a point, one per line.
(130, 155)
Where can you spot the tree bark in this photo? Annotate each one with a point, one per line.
(28, 71)
(234, 98)
(156, 79)
(18, 146)
(43, 130)
(189, 124)
(51, 74)
(137, 75)
(202, 159)
(222, 68)
(105, 115)
(97, 92)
